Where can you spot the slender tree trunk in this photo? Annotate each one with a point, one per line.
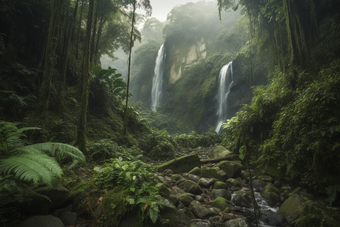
(100, 29)
(74, 19)
(81, 137)
(50, 57)
(79, 27)
(129, 69)
(93, 39)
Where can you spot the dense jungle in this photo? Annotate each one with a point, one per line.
(227, 114)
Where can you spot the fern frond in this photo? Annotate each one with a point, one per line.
(58, 150)
(32, 167)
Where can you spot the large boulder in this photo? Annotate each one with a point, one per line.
(182, 164)
(213, 172)
(186, 199)
(271, 195)
(292, 207)
(220, 185)
(232, 183)
(233, 169)
(243, 198)
(191, 187)
(237, 222)
(258, 185)
(219, 152)
(315, 215)
(199, 210)
(42, 221)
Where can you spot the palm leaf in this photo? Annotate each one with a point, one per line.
(59, 150)
(32, 167)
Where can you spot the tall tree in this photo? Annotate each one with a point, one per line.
(81, 136)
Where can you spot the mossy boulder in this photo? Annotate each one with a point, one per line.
(258, 185)
(221, 203)
(220, 185)
(174, 199)
(233, 169)
(219, 152)
(237, 222)
(243, 198)
(186, 199)
(191, 187)
(199, 210)
(232, 183)
(271, 194)
(206, 182)
(292, 207)
(182, 164)
(315, 215)
(164, 191)
(215, 193)
(195, 171)
(115, 206)
(213, 172)
(176, 177)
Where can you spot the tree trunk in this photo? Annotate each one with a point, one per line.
(93, 39)
(47, 89)
(96, 50)
(79, 27)
(129, 69)
(81, 137)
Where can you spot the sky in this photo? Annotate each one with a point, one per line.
(160, 8)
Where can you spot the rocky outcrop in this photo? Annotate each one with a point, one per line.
(182, 164)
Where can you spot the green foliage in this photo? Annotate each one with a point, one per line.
(32, 163)
(194, 140)
(138, 179)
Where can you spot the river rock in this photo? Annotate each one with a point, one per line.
(272, 218)
(266, 178)
(237, 222)
(167, 173)
(191, 187)
(186, 199)
(232, 183)
(195, 171)
(221, 203)
(271, 195)
(68, 218)
(182, 164)
(219, 152)
(206, 182)
(60, 196)
(243, 198)
(258, 185)
(42, 221)
(200, 223)
(220, 193)
(176, 177)
(232, 169)
(164, 191)
(193, 177)
(213, 172)
(199, 210)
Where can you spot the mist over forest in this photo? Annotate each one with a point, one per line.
(225, 114)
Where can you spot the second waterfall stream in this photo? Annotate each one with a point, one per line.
(225, 79)
(157, 81)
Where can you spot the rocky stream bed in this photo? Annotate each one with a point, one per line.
(208, 195)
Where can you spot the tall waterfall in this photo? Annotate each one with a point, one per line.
(157, 81)
(225, 79)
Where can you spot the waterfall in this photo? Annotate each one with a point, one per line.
(225, 79)
(157, 81)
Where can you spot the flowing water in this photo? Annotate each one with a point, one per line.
(225, 80)
(157, 81)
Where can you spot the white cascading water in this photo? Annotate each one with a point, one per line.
(225, 79)
(157, 81)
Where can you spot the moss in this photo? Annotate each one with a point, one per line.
(174, 199)
(210, 172)
(164, 191)
(221, 203)
(176, 177)
(195, 171)
(292, 207)
(315, 215)
(232, 168)
(188, 213)
(182, 164)
(220, 185)
(115, 206)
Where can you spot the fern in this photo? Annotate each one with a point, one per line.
(28, 167)
(58, 150)
(32, 163)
